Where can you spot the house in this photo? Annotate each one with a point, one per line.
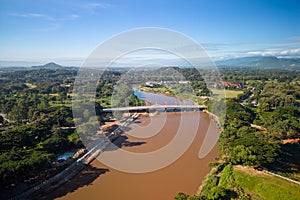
(152, 84)
(183, 82)
(227, 84)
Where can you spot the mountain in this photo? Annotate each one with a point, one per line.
(238, 61)
(273, 62)
(50, 65)
(266, 62)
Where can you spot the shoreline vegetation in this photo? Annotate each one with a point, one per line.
(227, 181)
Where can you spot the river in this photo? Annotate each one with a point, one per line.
(184, 175)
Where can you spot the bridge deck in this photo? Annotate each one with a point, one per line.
(154, 107)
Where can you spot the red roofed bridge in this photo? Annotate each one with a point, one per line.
(157, 107)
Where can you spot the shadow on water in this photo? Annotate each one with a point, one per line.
(88, 174)
(84, 178)
(132, 144)
(122, 141)
(137, 122)
(125, 128)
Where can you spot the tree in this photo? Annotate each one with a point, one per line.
(1, 119)
(181, 196)
(217, 192)
(19, 112)
(253, 148)
(226, 179)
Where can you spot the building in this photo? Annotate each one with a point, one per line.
(227, 84)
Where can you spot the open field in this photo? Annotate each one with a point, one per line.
(259, 184)
(229, 93)
(160, 90)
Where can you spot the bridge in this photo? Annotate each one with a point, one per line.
(157, 107)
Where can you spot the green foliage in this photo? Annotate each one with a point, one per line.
(34, 133)
(217, 192)
(54, 144)
(181, 196)
(74, 138)
(288, 161)
(226, 178)
(210, 182)
(134, 101)
(235, 111)
(283, 120)
(14, 164)
(276, 94)
(23, 136)
(241, 144)
(248, 147)
(220, 184)
(267, 187)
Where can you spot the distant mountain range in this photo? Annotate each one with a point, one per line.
(50, 65)
(262, 62)
(266, 62)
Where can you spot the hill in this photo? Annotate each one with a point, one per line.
(268, 62)
(50, 65)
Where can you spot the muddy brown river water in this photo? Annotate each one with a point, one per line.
(184, 175)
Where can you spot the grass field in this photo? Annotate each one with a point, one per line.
(266, 186)
(228, 93)
(161, 90)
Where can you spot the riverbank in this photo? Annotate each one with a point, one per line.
(175, 177)
(265, 184)
(226, 181)
(215, 119)
(185, 174)
(170, 93)
(80, 161)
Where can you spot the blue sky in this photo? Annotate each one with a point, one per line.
(67, 31)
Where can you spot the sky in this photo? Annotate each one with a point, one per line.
(66, 32)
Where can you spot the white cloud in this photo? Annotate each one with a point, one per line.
(261, 53)
(54, 23)
(31, 15)
(291, 52)
(276, 52)
(46, 17)
(223, 51)
(97, 5)
(92, 7)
